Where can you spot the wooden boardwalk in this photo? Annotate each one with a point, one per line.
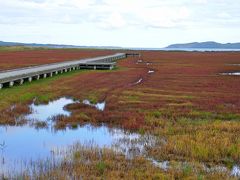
(19, 76)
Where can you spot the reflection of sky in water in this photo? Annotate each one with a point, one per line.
(27, 143)
(43, 112)
(232, 74)
(235, 171)
(23, 144)
(150, 71)
(99, 106)
(138, 82)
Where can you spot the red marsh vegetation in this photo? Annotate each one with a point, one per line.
(23, 58)
(191, 108)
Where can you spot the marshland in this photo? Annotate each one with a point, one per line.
(165, 115)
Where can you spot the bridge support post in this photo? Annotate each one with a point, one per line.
(30, 79)
(44, 75)
(11, 83)
(38, 77)
(51, 74)
(95, 67)
(65, 70)
(56, 73)
(110, 67)
(1, 86)
(21, 81)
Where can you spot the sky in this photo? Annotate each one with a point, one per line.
(125, 23)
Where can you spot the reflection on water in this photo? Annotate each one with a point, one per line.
(21, 145)
(139, 81)
(166, 165)
(99, 106)
(232, 74)
(25, 144)
(233, 64)
(47, 111)
(235, 171)
(150, 71)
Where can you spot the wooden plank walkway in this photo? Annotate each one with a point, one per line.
(19, 76)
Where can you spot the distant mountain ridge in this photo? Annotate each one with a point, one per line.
(2, 43)
(205, 45)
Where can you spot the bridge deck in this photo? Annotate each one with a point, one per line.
(19, 75)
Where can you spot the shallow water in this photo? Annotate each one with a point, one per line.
(139, 81)
(21, 145)
(166, 165)
(150, 71)
(233, 64)
(235, 171)
(45, 112)
(99, 106)
(232, 74)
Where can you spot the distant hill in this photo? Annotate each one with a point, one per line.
(205, 45)
(2, 43)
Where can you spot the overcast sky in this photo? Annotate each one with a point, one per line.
(126, 23)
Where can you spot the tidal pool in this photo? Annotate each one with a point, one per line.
(22, 145)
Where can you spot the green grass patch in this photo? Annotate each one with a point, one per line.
(101, 166)
(41, 90)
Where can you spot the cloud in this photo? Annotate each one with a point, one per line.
(114, 14)
(175, 19)
(109, 14)
(112, 21)
(164, 17)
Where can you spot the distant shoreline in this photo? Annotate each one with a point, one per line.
(186, 49)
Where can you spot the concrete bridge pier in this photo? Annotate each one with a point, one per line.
(50, 74)
(56, 72)
(1, 86)
(44, 76)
